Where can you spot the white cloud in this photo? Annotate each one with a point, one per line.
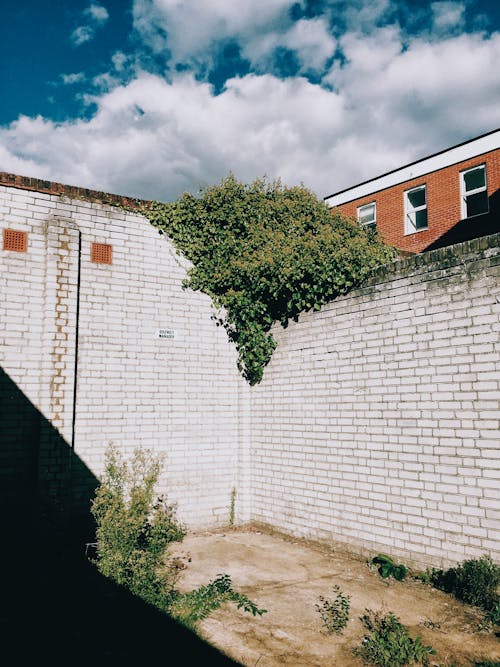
(156, 139)
(388, 101)
(190, 27)
(447, 16)
(70, 79)
(97, 13)
(96, 16)
(309, 39)
(190, 31)
(82, 34)
(119, 60)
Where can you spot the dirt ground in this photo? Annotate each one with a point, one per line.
(286, 577)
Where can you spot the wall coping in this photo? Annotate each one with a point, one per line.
(72, 191)
(440, 258)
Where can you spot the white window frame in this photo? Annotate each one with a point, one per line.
(371, 223)
(464, 194)
(410, 227)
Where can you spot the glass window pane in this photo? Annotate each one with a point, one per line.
(417, 197)
(477, 203)
(421, 219)
(367, 214)
(474, 179)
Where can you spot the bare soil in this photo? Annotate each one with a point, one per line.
(287, 576)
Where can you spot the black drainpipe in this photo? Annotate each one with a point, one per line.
(75, 369)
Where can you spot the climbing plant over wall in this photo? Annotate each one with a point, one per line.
(265, 253)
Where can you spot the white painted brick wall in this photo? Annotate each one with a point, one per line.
(377, 422)
(180, 397)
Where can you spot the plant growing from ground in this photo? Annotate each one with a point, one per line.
(232, 506)
(334, 612)
(265, 253)
(134, 529)
(388, 642)
(189, 608)
(473, 581)
(493, 615)
(388, 568)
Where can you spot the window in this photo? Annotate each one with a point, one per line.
(415, 210)
(474, 191)
(367, 215)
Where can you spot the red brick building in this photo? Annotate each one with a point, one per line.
(446, 198)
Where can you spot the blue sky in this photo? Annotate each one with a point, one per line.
(154, 97)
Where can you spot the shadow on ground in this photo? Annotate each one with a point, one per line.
(56, 608)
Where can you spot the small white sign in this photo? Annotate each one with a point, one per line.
(165, 333)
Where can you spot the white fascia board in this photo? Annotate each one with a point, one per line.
(479, 146)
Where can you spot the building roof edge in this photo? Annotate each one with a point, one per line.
(406, 166)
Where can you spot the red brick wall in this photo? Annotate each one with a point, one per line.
(72, 191)
(443, 203)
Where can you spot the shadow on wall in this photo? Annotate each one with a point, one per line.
(56, 608)
(472, 228)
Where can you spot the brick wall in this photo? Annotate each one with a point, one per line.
(377, 422)
(443, 203)
(375, 426)
(182, 397)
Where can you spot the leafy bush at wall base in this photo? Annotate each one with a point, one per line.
(388, 568)
(388, 643)
(134, 529)
(265, 253)
(474, 581)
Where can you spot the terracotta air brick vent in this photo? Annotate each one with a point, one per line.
(101, 253)
(15, 240)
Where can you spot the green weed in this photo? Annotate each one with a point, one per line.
(388, 643)
(388, 568)
(334, 613)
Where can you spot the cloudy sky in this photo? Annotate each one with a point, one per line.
(153, 97)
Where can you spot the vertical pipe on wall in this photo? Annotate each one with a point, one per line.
(77, 325)
(71, 496)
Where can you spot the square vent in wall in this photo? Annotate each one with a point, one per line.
(15, 240)
(101, 253)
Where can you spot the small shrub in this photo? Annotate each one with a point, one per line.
(473, 581)
(133, 532)
(388, 568)
(389, 644)
(334, 613)
(134, 527)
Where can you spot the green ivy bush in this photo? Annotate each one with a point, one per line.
(134, 529)
(265, 253)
